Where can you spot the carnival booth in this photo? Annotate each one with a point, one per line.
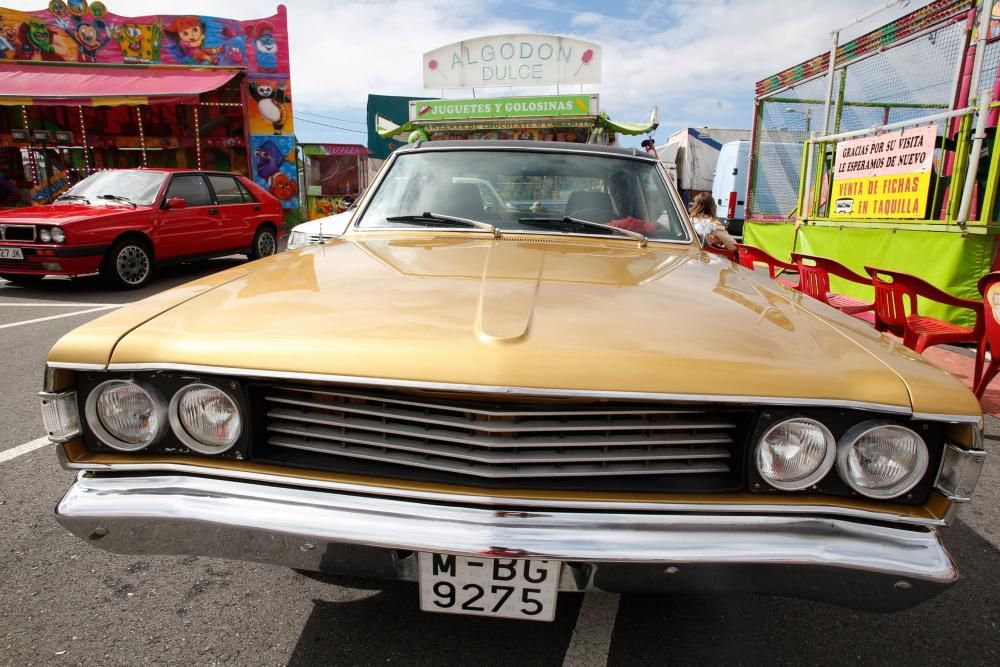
(506, 61)
(83, 89)
(334, 175)
(884, 153)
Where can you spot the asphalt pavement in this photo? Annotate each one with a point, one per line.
(63, 602)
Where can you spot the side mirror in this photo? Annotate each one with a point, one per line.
(177, 202)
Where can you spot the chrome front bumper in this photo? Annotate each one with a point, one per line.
(846, 562)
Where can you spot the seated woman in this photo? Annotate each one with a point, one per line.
(709, 229)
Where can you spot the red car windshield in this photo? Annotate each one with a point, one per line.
(137, 187)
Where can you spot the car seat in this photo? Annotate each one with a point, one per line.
(461, 200)
(590, 205)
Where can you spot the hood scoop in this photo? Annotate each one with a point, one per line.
(507, 295)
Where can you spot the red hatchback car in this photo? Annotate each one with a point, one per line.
(122, 223)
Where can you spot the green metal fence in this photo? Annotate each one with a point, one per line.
(902, 71)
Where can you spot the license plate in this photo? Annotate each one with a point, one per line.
(502, 587)
(11, 253)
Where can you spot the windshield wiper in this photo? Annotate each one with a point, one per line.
(118, 198)
(73, 197)
(434, 219)
(568, 220)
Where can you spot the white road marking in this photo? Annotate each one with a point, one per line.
(56, 317)
(49, 304)
(14, 452)
(591, 641)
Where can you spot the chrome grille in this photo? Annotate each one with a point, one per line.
(17, 232)
(483, 438)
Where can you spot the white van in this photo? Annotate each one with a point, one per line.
(729, 187)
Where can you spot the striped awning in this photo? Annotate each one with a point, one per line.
(95, 85)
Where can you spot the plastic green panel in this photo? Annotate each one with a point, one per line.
(947, 260)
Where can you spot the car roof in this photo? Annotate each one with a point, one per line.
(178, 170)
(557, 146)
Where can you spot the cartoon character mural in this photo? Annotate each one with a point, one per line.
(139, 43)
(189, 42)
(9, 45)
(40, 42)
(82, 31)
(265, 46)
(275, 167)
(270, 111)
(321, 207)
(77, 30)
(84, 24)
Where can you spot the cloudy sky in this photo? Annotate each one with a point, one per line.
(697, 60)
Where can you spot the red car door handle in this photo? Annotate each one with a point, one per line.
(256, 208)
(213, 211)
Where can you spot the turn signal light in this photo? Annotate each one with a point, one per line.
(959, 473)
(60, 415)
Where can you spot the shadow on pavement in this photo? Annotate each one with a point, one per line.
(958, 627)
(389, 628)
(92, 288)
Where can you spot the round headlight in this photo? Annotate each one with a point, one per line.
(58, 235)
(126, 415)
(795, 454)
(44, 236)
(881, 460)
(205, 418)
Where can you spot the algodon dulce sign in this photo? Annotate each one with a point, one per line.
(512, 60)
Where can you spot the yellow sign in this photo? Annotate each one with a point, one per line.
(885, 176)
(881, 197)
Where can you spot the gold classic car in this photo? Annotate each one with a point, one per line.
(501, 403)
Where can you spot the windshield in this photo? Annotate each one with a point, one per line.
(525, 191)
(138, 187)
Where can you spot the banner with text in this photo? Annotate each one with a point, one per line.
(886, 176)
(512, 60)
(508, 107)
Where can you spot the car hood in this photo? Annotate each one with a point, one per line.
(535, 312)
(331, 225)
(61, 214)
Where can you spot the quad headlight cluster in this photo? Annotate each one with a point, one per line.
(875, 458)
(51, 235)
(131, 415)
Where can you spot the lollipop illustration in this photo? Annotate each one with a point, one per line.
(433, 65)
(585, 59)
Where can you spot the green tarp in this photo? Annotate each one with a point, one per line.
(947, 260)
(395, 108)
(623, 127)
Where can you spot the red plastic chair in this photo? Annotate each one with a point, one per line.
(728, 254)
(989, 287)
(814, 281)
(750, 256)
(896, 311)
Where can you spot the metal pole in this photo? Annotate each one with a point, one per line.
(944, 115)
(867, 15)
(809, 174)
(977, 148)
(840, 101)
(957, 80)
(977, 65)
(802, 182)
(835, 36)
